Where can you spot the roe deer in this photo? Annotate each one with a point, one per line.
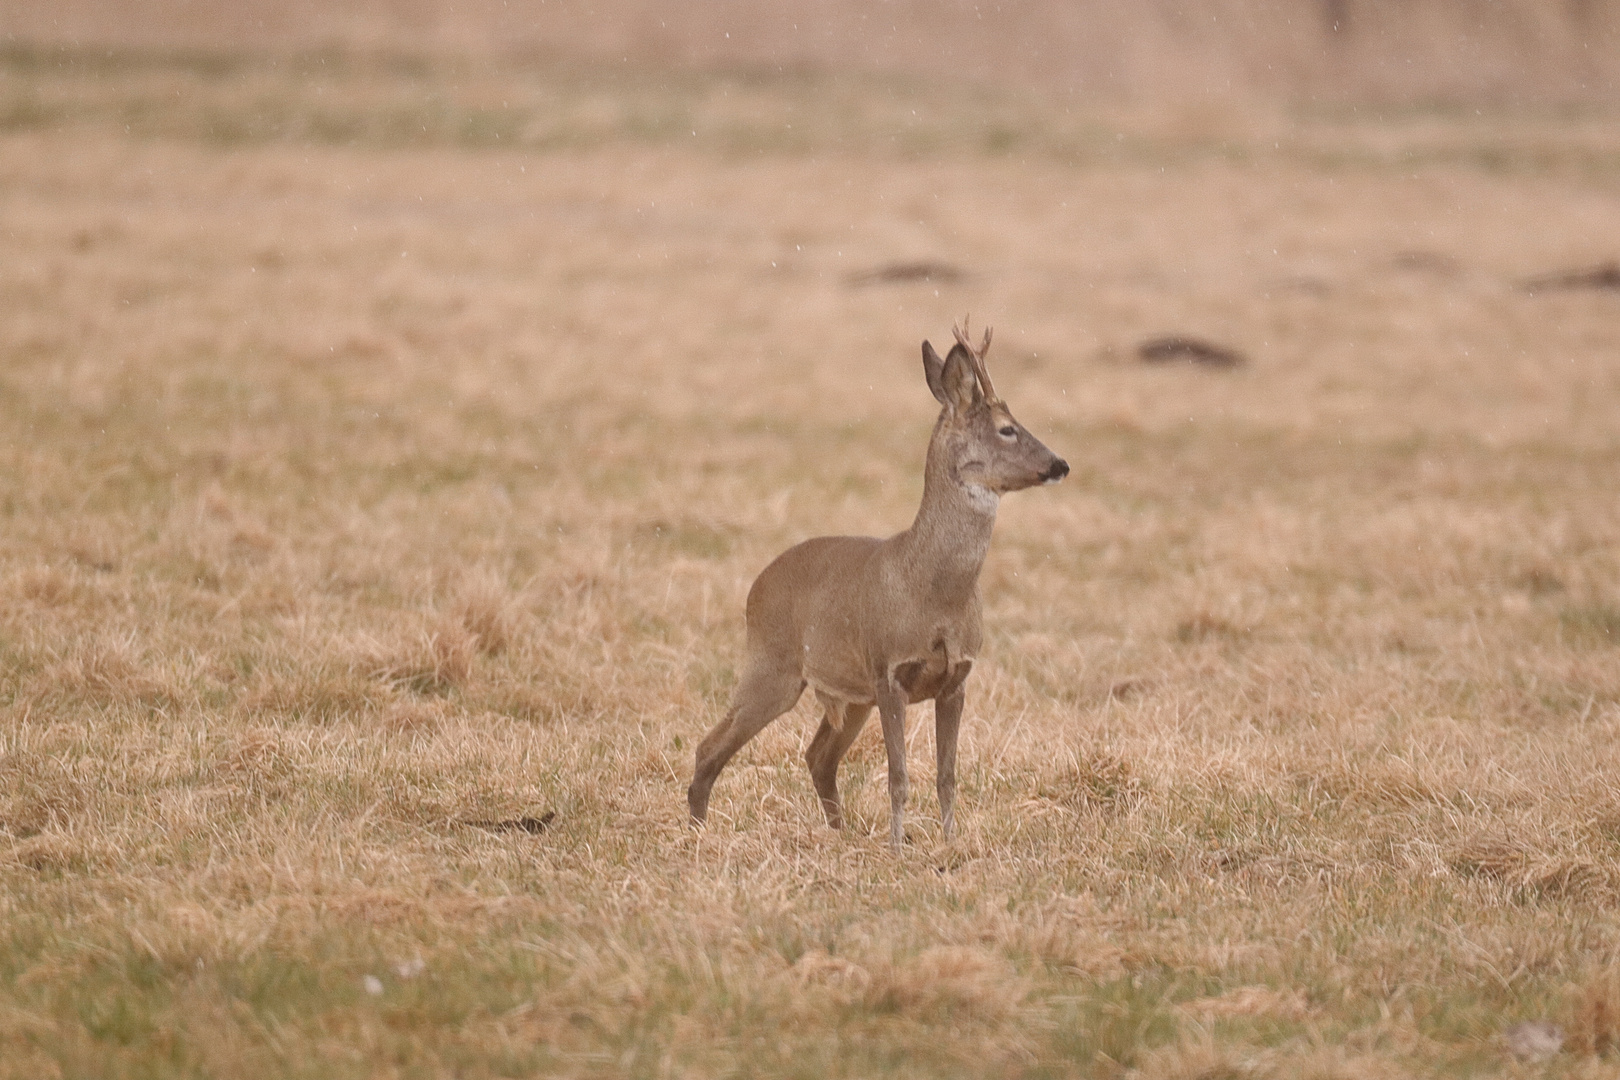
(886, 622)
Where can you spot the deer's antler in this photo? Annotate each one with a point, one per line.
(979, 369)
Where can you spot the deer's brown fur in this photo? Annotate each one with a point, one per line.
(867, 622)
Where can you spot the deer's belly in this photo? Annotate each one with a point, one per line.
(833, 666)
(844, 677)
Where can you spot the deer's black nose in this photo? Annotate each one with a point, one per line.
(1058, 470)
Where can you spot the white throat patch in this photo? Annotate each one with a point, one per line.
(982, 498)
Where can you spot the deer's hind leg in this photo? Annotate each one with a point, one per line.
(767, 690)
(828, 748)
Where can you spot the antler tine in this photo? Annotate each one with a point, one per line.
(979, 368)
(961, 335)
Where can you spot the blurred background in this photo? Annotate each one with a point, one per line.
(1391, 50)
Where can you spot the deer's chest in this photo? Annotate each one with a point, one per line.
(923, 681)
(942, 668)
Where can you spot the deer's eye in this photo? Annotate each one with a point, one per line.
(1008, 432)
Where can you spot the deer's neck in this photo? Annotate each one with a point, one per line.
(947, 543)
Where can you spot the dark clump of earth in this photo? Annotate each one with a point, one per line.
(1178, 349)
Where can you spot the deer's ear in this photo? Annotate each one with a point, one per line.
(956, 379)
(934, 369)
(951, 379)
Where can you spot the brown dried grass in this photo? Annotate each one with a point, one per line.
(354, 496)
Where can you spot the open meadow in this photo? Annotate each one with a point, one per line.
(386, 449)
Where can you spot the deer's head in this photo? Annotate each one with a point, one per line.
(985, 449)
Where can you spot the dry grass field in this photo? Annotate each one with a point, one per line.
(1154, 50)
(386, 449)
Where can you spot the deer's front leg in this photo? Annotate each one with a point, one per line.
(891, 703)
(947, 721)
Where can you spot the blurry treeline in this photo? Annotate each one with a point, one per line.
(1498, 51)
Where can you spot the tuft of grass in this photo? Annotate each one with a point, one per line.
(1592, 623)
